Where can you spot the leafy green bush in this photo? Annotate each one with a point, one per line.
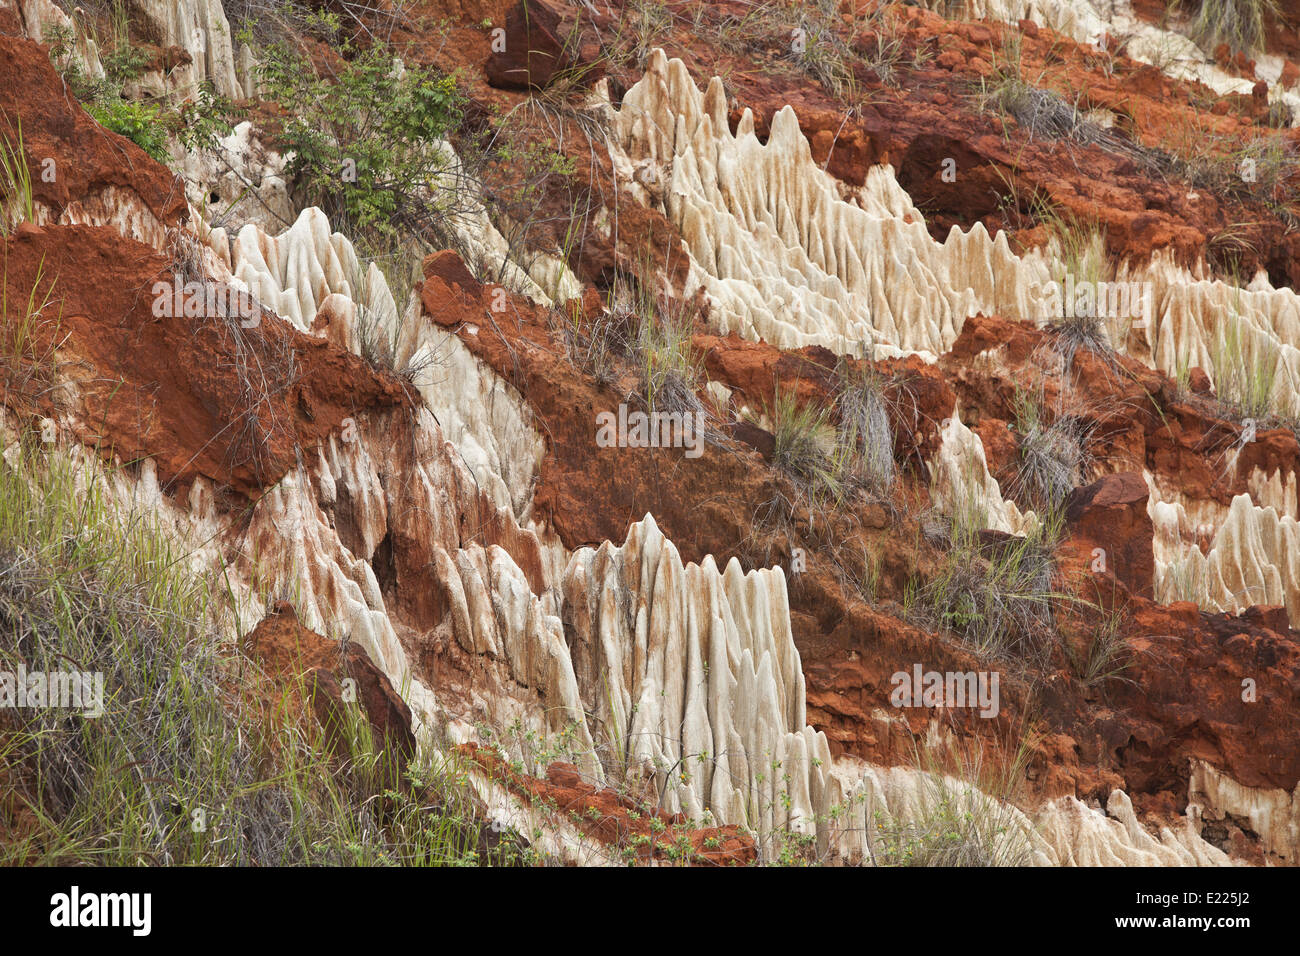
(206, 118)
(366, 141)
(124, 63)
(142, 123)
(145, 124)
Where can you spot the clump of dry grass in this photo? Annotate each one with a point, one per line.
(179, 768)
(1053, 455)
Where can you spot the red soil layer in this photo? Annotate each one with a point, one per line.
(302, 660)
(203, 397)
(604, 815)
(87, 158)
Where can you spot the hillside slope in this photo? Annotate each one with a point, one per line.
(724, 433)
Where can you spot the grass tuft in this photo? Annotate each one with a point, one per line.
(181, 767)
(863, 408)
(16, 181)
(29, 338)
(1053, 456)
(968, 820)
(805, 446)
(1245, 367)
(1238, 23)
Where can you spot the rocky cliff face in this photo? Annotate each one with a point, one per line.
(713, 636)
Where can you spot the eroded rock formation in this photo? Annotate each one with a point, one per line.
(416, 483)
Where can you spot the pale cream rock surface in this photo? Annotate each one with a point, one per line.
(960, 483)
(784, 257)
(201, 28)
(1272, 813)
(240, 181)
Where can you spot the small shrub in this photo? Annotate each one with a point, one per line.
(648, 21)
(994, 591)
(124, 63)
(998, 598)
(367, 141)
(1040, 113)
(822, 53)
(520, 166)
(1258, 168)
(670, 368)
(594, 344)
(145, 123)
(958, 830)
(657, 333)
(1078, 248)
(142, 123)
(1103, 653)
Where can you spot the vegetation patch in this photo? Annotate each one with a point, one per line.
(180, 767)
(367, 137)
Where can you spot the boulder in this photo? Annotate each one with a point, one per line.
(533, 50)
(288, 650)
(1112, 514)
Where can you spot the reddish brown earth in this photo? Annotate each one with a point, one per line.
(202, 397)
(87, 158)
(604, 815)
(310, 670)
(1111, 514)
